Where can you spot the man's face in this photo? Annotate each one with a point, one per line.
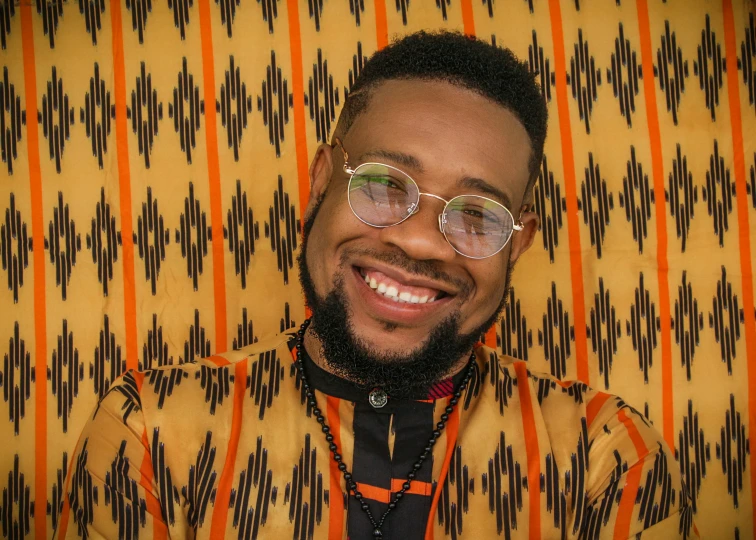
(451, 141)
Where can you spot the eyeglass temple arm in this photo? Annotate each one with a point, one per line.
(518, 226)
(347, 168)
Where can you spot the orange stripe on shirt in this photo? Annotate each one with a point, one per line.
(468, 20)
(744, 241)
(416, 487)
(381, 24)
(630, 489)
(336, 507)
(139, 380)
(531, 449)
(384, 495)
(297, 88)
(223, 495)
(594, 406)
(570, 193)
(662, 273)
(213, 173)
(452, 430)
(38, 256)
(217, 360)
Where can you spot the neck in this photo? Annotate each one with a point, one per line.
(314, 348)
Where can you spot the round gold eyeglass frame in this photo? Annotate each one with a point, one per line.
(415, 206)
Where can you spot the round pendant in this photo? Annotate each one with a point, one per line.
(378, 398)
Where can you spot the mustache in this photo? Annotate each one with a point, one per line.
(399, 259)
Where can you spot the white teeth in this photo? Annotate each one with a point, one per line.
(393, 293)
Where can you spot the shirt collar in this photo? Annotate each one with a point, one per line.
(338, 387)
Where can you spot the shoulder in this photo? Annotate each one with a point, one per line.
(562, 402)
(548, 393)
(174, 384)
(622, 471)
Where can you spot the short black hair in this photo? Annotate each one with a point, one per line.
(493, 72)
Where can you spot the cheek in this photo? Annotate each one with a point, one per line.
(333, 225)
(490, 281)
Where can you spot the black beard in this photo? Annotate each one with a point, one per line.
(400, 375)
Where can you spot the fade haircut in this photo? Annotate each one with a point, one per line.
(492, 72)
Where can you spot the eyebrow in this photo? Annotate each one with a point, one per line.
(411, 162)
(481, 185)
(400, 158)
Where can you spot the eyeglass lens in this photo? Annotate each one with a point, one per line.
(381, 196)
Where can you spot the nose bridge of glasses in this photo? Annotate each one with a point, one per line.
(415, 208)
(435, 197)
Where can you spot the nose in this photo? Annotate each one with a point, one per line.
(420, 236)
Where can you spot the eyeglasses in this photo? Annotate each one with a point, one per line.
(381, 196)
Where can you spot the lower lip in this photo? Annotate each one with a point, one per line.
(386, 309)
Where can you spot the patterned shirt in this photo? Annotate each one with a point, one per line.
(228, 447)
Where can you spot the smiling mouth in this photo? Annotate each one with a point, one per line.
(391, 289)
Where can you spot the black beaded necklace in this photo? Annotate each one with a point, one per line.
(350, 483)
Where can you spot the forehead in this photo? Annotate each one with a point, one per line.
(450, 130)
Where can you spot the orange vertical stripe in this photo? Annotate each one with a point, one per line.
(223, 494)
(297, 88)
(662, 273)
(468, 20)
(124, 186)
(570, 192)
(381, 24)
(38, 254)
(531, 449)
(213, 173)
(452, 430)
(630, 489)
(741, 199)
(336, 506)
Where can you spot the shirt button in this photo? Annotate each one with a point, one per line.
(378, 398)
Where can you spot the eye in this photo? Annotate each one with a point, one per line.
(388, 182)
(473, 213)
(478, 214)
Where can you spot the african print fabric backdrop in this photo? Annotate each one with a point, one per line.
(154, 173)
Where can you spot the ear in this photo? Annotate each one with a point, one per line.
(321, 170)
(522, 240)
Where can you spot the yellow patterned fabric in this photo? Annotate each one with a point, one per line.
(153, 171)
(223, 448)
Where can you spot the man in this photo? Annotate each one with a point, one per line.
(383, 416)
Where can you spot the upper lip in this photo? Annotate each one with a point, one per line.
(410, 280)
